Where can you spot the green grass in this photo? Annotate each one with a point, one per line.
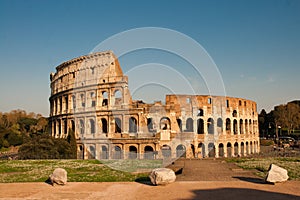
(78, 171)
(291, 164)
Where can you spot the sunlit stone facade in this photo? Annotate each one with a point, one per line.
(90, 96)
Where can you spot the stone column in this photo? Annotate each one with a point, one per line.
(216, 150)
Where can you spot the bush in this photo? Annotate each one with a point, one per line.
(45, 147)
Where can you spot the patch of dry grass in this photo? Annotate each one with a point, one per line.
(78, 171)
(292, 165)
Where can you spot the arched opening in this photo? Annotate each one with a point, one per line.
(219, 125)
(200, 112)
(189, 125)
(150, 125)
(229, 150)
(117, 154)
(81, 126)
(193, 150)
(92, 126)
(148, 153)
(118, 97)
(250, 126)
(104, 125)
(251, 147)
(254, 145)
(201, 150)
(228, 125)
(59, 128)
(82, 100)
(93, 99)
(210, 126)
(235, 128)
(65, 126)
(247, 148)
(179, 123)
(241, 127)
(80, 152)
(132, 125)
(211, 150)
(242, 149)
(104, 152)
(234, 113)
(73, 125)
(166, 151)
(246, 126)
(221, 150)
(236, 147)
(132, 152)
(165, 123)
(105, 99)
(74, 101)
(91, 153)
(200, 128)
(118, 125)
(180, 151)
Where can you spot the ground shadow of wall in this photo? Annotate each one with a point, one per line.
(241, 193)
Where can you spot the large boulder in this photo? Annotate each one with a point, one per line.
(276, 174)
(162, 176)
(59, 176)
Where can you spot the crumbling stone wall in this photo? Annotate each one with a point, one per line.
(90, 96)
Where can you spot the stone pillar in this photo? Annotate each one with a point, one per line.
(216, 150)
(206, 150)
(239, 149)
(225, 150)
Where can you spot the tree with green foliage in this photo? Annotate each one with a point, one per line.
(73, 144)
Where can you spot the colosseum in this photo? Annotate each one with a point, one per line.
(90, 96)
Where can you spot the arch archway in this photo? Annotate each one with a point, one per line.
(118, 125)
(229, 150)
(148, 153)
(221, 150)
(104, 152)
(165, 123)
(235, 128)
(104, 125)
(132, 152)
(117, 153)
(211, 150)
(236, 147)
(189, 125)
(166, 151)
(91, 153)
(200, 128)
(242, 149)
(132, 125)
(180, 151)
(210, 126)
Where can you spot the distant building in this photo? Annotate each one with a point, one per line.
(90, 96)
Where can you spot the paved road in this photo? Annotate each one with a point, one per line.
(212, 170)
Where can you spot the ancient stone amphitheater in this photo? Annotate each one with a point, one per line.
(90, 96)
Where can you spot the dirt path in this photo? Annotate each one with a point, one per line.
(178, 190)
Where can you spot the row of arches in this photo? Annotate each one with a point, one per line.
(116, 152)
(88, 99)
(227, 149)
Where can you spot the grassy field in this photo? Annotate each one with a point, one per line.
(291, 164)
(78, 171)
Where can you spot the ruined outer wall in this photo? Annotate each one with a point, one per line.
(90, 96)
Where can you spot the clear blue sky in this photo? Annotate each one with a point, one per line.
(255, 44)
